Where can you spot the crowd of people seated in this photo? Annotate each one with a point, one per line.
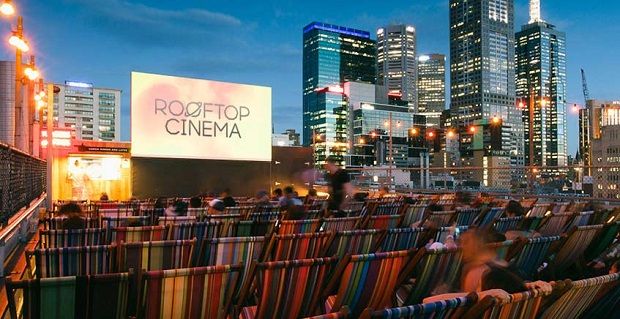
(395, 250)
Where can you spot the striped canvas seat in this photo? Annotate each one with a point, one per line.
(505, 224)
(125, 221)
(341, 224)
(168, 220)
(299, 246)
(202, 292)
(559, 208)
(367, 281)
(241, 210)
(580, 219)
(314, 214)
(530, 254)
(155, 255)
(73, 261)
(73, 297)
(354, 242)
(197, 212)
(138, 234)
(429, 269)
(502, 249)
(538, 210)
(383, 222)
(73, 237)
(264, 216)
(445, 309)
(528, 203)
(442, 219)
(531, 223)
(198, 230)
(522, 305)
(466, 216)
(489, 217)
(443, 233)
(386, 209)
(299, 226)
(252, 228)
(574, 246)
(57, 222)
(227, 221)
(400, 239)
(289, 289)
(581, 295)
(353, 208)
(603, 240)
(413, 214)
(607, 302)
(554, 224)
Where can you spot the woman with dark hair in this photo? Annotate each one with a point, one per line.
(74, 219)
(514, 209)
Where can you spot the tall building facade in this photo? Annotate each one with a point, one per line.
(482, 73)
(332, 55)
(397, 68)
(431, 83)
(94, 113)
(541, 85)
(584, 136)
(605, 147)
(7, 102)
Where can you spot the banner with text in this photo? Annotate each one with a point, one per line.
(174, 117)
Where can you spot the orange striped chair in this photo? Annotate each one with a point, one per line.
(367, 282)
(288, 289)
(383, 222)
(202, 292)
(73, 237)
(298, 246)
(341, 224)
(73, 261)
(155, 255)
(354, 242)
(138, 234)
(299, 226)
(522, 305)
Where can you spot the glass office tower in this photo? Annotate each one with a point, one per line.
(332, 55)
(397, 68)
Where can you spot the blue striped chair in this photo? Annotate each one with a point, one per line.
(445, 309)
(400, 239)
(581, 219)
(466, 216)
(529, 254)
(227, 221)
(489, 217)
(198, 230)
(505, 224)
(73, 261)
(354, 242)
(73, 237)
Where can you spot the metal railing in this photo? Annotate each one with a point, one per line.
(22, 179)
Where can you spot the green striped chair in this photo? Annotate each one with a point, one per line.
(298, 246)
(73, 261)
(400, 239)
(529, 254)
(299, 226)
(354, 242)
(489, 217)
(341, 224)
(603, 240)
(54, 223)
(573, 247)
(202, 292)
(264, 216)
(505, 224)
(522, 305)
(531, 223)
(366, 282)
(502, 249)
(429, 269)
(73, 237)
(253, 228)
(383, 222)
(170, 220)
(444, 309)
(199, 230)
(413, 214)
(554, 224)
(155, 255)
(73, 297)
(580, 296)
(466, 216)
(138, 234)
(288, 289)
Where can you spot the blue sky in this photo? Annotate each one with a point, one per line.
(259, 42)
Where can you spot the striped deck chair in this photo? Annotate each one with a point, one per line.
(522, 305)
(367, 282)
(383, 222)
(581, 295)
(443, 233)
(529, 254)
(333, 315)
(313, 214)
(528, 203)
(202, 292)
(538, 210)
(73, 237)
(72, 297)
(559, 208)
(386, 209)
(429, 269)
(466, 216)
(573, 247)
(298, 246)
(531, 223)
(354, 242)
(73, 261)
(197, 212)
(505, 224)
(489, 217)
(138, 234)
(169, 220)
(341, 224)
(227, 221)
(413, 214)
(264, 216)
(55, 223)
(126, 221)
(442, 219)
(299, 226)
(288, 289)
(199, 230)
(607, 301)
(554, 224)
(603, 217)
(155, 255)
(580, 219)
(353, 208)
(400, 239)
(502, 249)
(445, 309)
(603, 240)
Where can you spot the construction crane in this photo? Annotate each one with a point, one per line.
(586, 93)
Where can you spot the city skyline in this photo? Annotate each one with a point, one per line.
(121, 28)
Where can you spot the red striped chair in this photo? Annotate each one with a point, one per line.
(444, 309)
(554, 224)
(169, 220)
(202, 292)
(138, 234)
(400, 239)
(341, 224)
(73, 261)
(288, 289)
(72, 297)
(354, 242)
(155, 255)
(522, 305)
(414, 214)
(72, 237)
(298, 246)
(299, 226)
(366, 282)
(383, 222)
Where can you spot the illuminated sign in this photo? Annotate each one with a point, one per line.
(331, 89)
(173, 117)
(424, 58)
(61, 138)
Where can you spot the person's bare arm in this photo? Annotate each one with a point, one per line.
(348, 189)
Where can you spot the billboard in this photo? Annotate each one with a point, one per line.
(174, 117)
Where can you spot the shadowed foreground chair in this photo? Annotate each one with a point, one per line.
(554, 224)
(445, 309)
(138, 234)
(156, 255)
(299, 226)
(341, 224)
(73, 261)
(603, 240)
(529, 254)
(74, 297)
(522, 305)
(573, 247)
(73, 237)
(202, 292)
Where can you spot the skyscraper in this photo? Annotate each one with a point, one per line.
(541, 85)
(396, 62)
(432, 86)
(332, 55)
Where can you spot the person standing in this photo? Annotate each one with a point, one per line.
(339, 186)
